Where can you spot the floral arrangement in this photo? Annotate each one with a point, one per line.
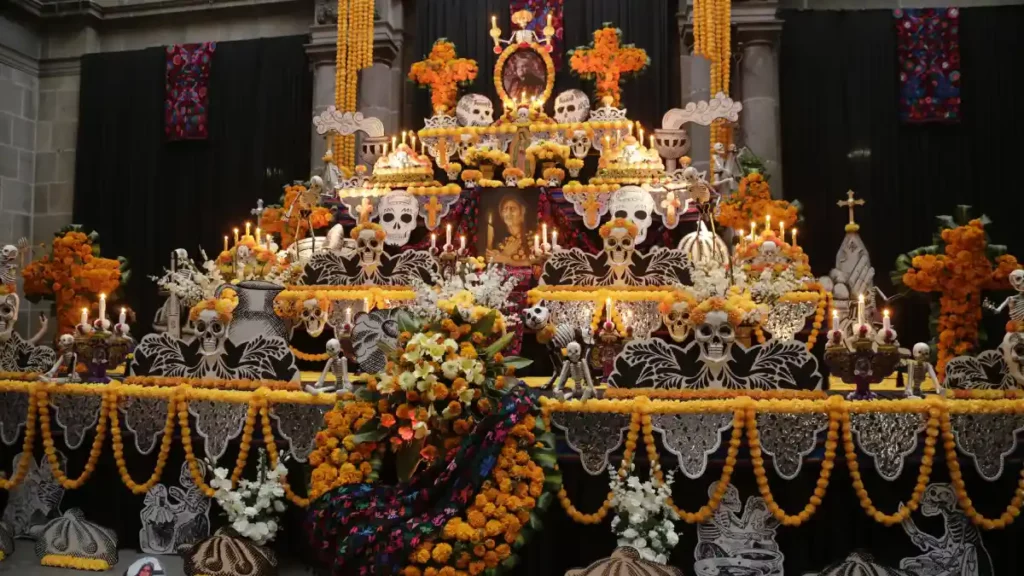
(547, 151)
(526, 183)
(785, 270)
(254, 508)
(224, 307)
(752, 202)
(189, 284)
(642, 518)
(442, 73)
(555, 174)
(259, 261)
(342, 457)
(478, 156)
(273, 220)
(607, 227)
(574, 165)
(737, 304)
(73, 274)
(959, 267)
(486, 287)
(606, 60)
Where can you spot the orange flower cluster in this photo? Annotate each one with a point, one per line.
(959, 276)
(273, 221)
(442, 72)
(752, 202)
(338, 459)
(73, 274)
(606, 60)
(799, 262)
(483, 535)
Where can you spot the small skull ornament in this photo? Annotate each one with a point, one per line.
(398, 211)
(572, 106)
(619, 246)
(369, 247)
(212, 332)
(580, 143)
(1012, 349)
(314, 317)
(715, 336)
(536, 317)
(634, 204)
(677, 321)
(8, 316)
(475, 110)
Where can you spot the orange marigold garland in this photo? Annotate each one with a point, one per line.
(606, 60)
(443, 73)
(74, 275)
(273, 220)
(752, 202)
(959, 269)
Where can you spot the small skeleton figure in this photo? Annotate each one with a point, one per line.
(242, 257)
(9, 265)
(336, 364)
(575, 367)
(307, 200)
(918, 367)
(68, 359)
(722, 167)
(1016, 302)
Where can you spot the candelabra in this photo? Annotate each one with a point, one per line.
(863, 357)
(100, 349)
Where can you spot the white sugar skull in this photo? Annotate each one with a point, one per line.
(474, 110)
(572, 106)
(677, 321)
(8, 316)
(634, 204)
(580, 143)
(619, 246)
(398, 212)
(369, 247)
(715, 337)
(314, 318)
(536, 318)
(1017, 280)
(211, 332)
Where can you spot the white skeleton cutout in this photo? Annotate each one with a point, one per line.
(313, 317)
(620, 247)
(475, 110)
(398, 211)
(960, 551)
(634, 204)
(572, 106)
(369, 249)
(677, 320)
(715, 338)
(738, 539)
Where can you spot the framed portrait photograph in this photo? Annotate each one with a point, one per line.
(523, 72)
(507, 224)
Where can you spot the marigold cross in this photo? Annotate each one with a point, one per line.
(442, 72)
(433, 209)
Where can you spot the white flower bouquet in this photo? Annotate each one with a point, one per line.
(254, 507)
(642, 519)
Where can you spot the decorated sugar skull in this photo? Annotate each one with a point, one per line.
(212, 332)
(572, 106)
(369, 243)
(474, 110)
(938, 498)
(536, 317)
(8, 315)
(580, 143)
(314, 316)
(715, 336)
(619, 237)
(634, 204)
(677, 320)
(398, 211)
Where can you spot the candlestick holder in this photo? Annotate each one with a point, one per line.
(862, 360)
(448, 258)
(101, 350)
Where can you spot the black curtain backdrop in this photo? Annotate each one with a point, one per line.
(839, 89)
(649, 24)
(147, 196)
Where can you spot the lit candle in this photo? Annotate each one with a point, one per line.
(412, 141)
(225, 243)
(494, 21)
(608, 308)
(886, 321)
(835, 318)
(366, 304)
(767, 222)
(236, 235)
(348, 315)
(860, 309)
(462, 242)
(433, 241)
(554, 239)
(652, 141)
(394, 143)
(782, 231)
(549, 19)
(448, 236)
(247, 229)
(423, 147)
(544, 233)
(259, 237)
(536, 243)
(403, 136)
(123, 318)
(640, 138)
(85, 317)
(794, 237)
(103, 306)
(753, 229)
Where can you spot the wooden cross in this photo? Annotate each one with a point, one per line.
(365, 208)
(851, 204)
(606, 60)
(433, 209)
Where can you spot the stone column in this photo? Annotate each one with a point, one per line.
(322, 51)
(695, 85)
(759, 89)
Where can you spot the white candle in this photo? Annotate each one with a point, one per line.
(886, 321)
(554, 239)
(123, 319)
(85, 317)
(394, 143)
(433, 241)
(767, 222)
(549, 20)
(348, 315)
(462, 242)
(236, 235)
(225, 243)
(103, 306)
(536, 243)
(652, 142)
(753, 229)
(608, 309)
(403, 136)
(494, 21)
(794, 237)
(448, 235)
(247, 229)
(860, 309)
(544, 234)
(782, 231)
(366, 304)
(835, 317)
(412, 141)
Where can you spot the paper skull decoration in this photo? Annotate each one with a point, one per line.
(212, 332)
(580, 143)
(398, 212)
(9, 305)
(677, 321)
(634, 204)
(619, 245)
(715, 336)
(474, 110)
(314, 317)
(572, 106)
(369, 247)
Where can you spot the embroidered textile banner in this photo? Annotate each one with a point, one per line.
(541, 9)
(186, 98)
(928, 48)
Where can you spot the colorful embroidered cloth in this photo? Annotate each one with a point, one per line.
(370, 529)
(187, 84)
(928, 48)
(541, 9)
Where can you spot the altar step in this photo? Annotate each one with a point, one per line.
(25, 563)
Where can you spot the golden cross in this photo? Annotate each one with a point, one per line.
(433, 208)
(851, 204)
(364, 209)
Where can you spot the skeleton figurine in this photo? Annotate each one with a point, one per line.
(314, 316)
(307, 200)
(9, 264)
(575, 367)
(723, 166)
(336, 364)
(10, 305)
(68, 359)
(1015, 302)
(242, 257)
(555, 336)
(918, 367)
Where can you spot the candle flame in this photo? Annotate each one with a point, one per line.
(885, 312)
